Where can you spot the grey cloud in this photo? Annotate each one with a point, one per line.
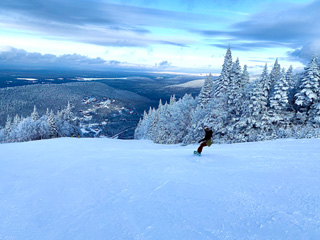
(173, 43)
(290, 25)
(163, 64)
(94, 22)
(247, 46)
(18, 57)
(305, 53)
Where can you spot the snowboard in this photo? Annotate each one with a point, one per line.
(196, 153)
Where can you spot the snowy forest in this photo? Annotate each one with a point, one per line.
(278, 104)
(36, 127)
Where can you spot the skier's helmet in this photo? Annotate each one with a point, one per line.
(206, 128)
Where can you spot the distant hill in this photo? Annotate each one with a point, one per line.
(192, 84)
(56, 96)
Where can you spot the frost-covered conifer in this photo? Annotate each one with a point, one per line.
(34, 114)
(8, 126)
(206, 91)
(144, 124)
(153, 130)
(275, 76)
(259, 98)
(291, 84)
(314, 113)
(235, 91)
(223, 81)
(53, 131)
(246, 86)
(16, 120)
(173, 100)
(245, 78)
(308, 90)
(279, 100)
(195, 129)
(66, 113)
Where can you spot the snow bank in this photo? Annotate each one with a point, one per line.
(73, 188)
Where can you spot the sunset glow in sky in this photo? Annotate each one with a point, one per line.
(164, 35)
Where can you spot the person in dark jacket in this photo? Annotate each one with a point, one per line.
(206, 141)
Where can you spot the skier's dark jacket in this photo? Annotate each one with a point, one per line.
(208, 136)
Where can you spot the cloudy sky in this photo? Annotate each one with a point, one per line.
(164, 35)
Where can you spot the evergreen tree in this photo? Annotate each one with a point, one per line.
(291, 84)
(8, 126)
(235, 91)
(314, 114)
(53, 131)
(206, 91)
(173, 100)
(195, 128)
(245, 85)
(223, 81)
(16, 120)
(255, 122)
(153, 130)
(245, 78)
(279, 100)
(259, 98)
(34, 114)
(308, 90)
(275, 76)
(144, 124)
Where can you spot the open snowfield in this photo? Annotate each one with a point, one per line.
(100, 189)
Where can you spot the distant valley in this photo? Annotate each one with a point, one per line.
(104, 103)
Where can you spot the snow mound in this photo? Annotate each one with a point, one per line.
(71, 188)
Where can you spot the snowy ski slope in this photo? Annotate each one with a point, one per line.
(69, 188)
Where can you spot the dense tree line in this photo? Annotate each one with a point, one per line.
(36, 127)
(276, 105)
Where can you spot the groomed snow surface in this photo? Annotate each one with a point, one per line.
(69, 188)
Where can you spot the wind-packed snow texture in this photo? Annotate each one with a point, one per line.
(69, 188)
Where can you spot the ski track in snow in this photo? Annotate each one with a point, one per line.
(71, 188)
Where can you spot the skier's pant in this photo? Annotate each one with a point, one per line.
(201, 146)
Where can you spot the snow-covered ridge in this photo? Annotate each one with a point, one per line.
(70, 188)
(191, 84)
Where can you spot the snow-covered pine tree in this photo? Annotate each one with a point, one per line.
(198, 112)
(34, 115)
(259, 98)
(153, 130)
(195, 129)
(206, 92)
(291, 84)
(308, 90)
(16, 120)
(314, 114)
(235, 91)
(279, 100)
(8, 126)
(246, 86)
(182, 112)
(245, 78)
(2, 135)
(223, 81)
(144, 124)
(53, 131)
(162, 129)
(275, 76)
(173, 100)
(66, 113)
(256, 117)
(174, 121)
